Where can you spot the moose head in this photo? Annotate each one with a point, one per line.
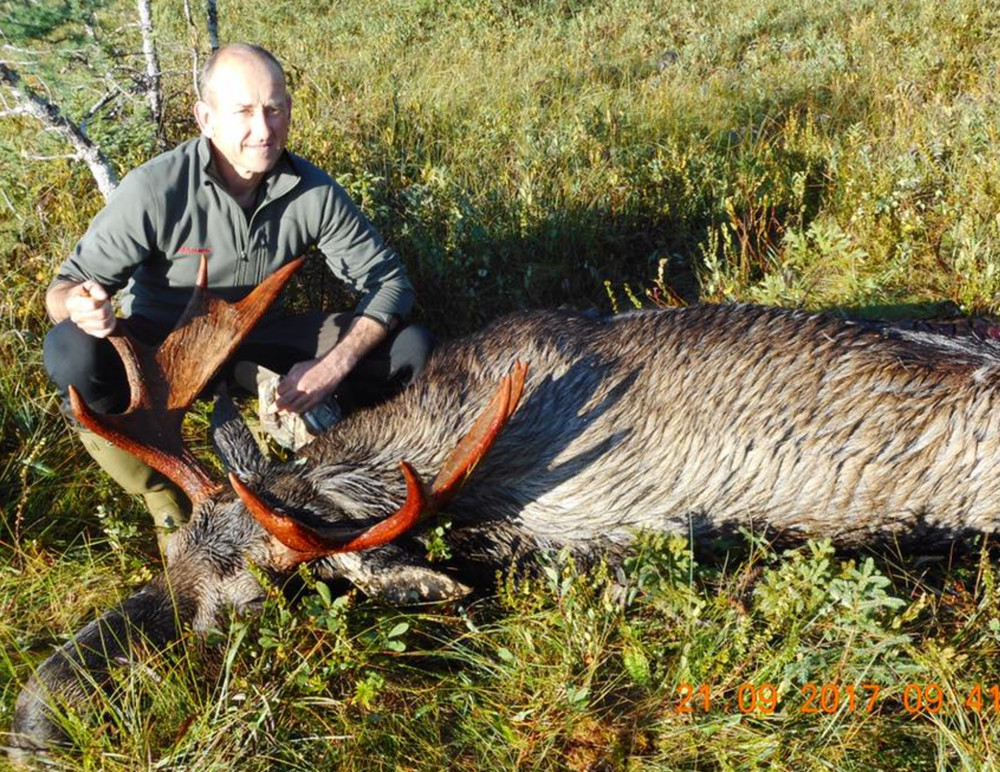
(270, 515)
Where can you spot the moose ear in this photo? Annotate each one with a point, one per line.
(233, 441)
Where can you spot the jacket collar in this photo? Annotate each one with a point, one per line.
(279, 181)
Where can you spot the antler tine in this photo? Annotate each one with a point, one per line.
(462, 461)
(420, 504)
(165, 380)
(138, 432)
(310, 544)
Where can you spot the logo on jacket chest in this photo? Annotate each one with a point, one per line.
(194, 251)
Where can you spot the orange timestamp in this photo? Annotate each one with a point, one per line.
(829, 698)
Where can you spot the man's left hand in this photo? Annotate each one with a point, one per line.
(306, 385)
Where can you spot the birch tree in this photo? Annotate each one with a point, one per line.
(153, 87)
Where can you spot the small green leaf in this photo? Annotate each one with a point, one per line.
(577, 696)
(398, 630)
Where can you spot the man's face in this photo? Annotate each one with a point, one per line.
(246, 112)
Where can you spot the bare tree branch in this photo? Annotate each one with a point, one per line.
(10, 205)
(60, 157)
(98, 106)
(43, 110)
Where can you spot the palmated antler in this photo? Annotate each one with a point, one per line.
(421, 502)
(165, 380)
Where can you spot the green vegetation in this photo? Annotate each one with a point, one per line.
(840, 154)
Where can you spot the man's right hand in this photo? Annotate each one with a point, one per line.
(89, 308)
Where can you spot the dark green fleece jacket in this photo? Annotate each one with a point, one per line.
(170, 211)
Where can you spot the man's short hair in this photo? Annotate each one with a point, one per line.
(205, 76)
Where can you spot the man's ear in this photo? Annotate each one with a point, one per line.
(203, 114)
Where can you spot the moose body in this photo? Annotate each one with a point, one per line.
(697, 420)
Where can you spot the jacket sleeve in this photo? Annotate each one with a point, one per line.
(356, 254)
(120, 238)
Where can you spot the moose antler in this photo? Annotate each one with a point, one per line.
(421, 502)
(165, 380)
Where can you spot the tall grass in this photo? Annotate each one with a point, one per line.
(841, 155)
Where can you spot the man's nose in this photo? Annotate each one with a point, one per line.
(259, 124)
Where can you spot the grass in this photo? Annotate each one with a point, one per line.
(560, 672)
(841, 155)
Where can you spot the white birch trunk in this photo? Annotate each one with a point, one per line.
(152, 80)
(195, 61)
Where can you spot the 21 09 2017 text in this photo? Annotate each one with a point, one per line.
(829, 698)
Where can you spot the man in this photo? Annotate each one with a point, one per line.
(237, 196)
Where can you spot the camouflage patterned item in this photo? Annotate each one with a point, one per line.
(291, 430)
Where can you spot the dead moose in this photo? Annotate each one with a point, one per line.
(695, 420)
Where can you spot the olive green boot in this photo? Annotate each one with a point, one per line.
(167, 504)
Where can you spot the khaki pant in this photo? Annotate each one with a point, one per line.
(169, 507)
